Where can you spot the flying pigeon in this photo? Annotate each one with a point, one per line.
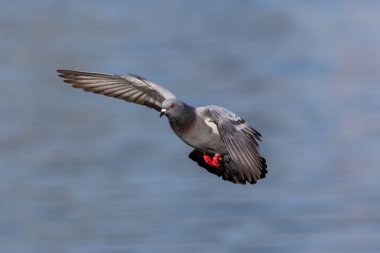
(224, 144)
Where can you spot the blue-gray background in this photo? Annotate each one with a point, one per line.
(85, 173)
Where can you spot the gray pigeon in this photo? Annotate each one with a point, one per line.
(224, 144)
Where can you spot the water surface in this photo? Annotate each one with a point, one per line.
(86, 173)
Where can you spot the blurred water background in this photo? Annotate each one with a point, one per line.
(85, 173)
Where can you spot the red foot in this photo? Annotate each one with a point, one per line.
(214, 161)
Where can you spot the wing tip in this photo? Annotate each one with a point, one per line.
(68, 74)
(258, 173)
(262, 172)
(65, 72)
(264, 167)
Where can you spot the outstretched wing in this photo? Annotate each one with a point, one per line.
(241, 141)
(131, 88)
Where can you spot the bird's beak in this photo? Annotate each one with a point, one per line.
(163, 111)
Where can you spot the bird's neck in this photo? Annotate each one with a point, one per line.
(185, 121)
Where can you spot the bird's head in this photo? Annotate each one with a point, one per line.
(172, 107)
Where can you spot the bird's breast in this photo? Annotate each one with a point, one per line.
(204, 136)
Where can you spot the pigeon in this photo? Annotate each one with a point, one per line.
(224, 144)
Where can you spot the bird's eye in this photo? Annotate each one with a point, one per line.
(172, 105)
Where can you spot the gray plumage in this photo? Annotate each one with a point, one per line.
(131, 88)
(211, 130)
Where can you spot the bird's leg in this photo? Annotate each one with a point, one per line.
(214, 161)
